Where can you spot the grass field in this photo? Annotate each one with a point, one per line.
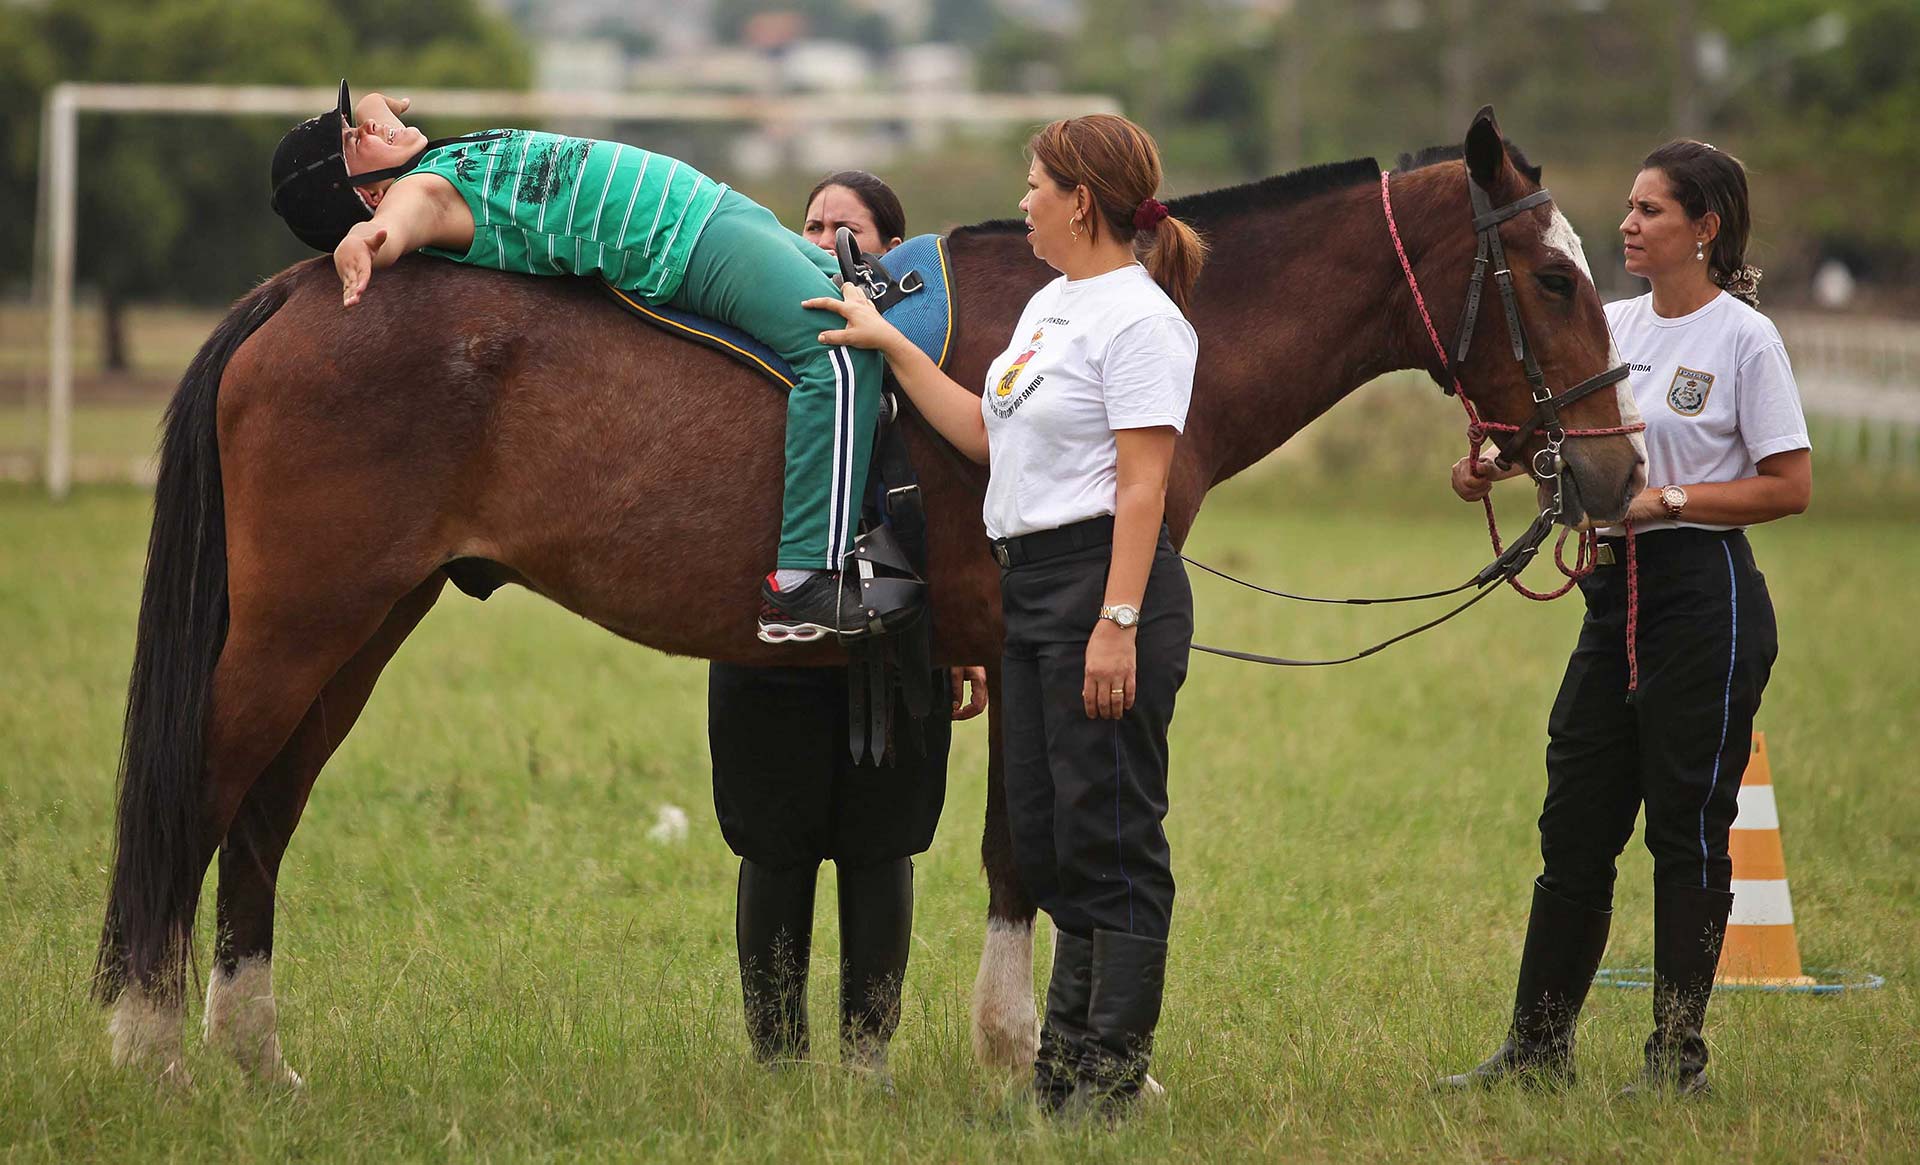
(481, 956)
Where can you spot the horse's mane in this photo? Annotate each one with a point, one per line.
(1285, 189)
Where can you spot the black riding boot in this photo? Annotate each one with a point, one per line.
(1063, 1033)
(1689, 924)
(1564, 943)
(773, 923)
(876, 931)
(1129, 977)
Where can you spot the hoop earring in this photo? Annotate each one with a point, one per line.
(1700, 250)
(1073, 227)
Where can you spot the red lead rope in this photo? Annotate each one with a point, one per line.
(1477, 430)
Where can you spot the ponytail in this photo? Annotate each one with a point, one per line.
(1173, 253)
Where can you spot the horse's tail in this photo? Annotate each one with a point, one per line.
(159, 856)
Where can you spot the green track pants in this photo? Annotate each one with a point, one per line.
(749, 271)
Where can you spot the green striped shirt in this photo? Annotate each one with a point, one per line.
(545, 204)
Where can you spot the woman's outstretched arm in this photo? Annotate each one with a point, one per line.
(943, 401)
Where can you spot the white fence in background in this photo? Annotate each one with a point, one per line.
(1860, 384)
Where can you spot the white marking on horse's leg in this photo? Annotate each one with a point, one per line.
(1006, 1030)
(146, 1036)
(242, 1020)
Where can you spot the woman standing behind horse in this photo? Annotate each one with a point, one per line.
(789, 795)
(371, 189)
(1659, 697)
(1077, 425)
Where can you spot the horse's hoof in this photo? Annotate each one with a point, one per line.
(242, 1021)
(1006, 1029)
(146, 1037)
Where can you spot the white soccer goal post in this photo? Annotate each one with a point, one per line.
(57, 212)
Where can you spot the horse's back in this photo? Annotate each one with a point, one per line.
(459, 412)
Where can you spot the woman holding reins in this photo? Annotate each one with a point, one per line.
(1078, 423)
(1658, 700)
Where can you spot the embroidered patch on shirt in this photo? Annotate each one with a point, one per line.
(1687, 395)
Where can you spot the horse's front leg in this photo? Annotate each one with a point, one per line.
(1006, 1032)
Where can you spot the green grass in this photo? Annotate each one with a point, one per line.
(481, 956)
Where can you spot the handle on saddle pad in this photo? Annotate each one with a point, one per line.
(870, 273)
(849, 256)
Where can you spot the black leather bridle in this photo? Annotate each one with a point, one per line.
(1489, 254)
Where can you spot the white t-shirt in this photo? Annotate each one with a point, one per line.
(1089, 356)
(1715, 389)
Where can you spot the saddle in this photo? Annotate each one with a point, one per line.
(910, 287)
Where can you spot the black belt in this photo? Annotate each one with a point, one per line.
(1612, 549)
(1043, 544)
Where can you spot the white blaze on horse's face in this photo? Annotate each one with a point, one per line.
(1559, 237)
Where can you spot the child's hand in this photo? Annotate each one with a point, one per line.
(353, 261)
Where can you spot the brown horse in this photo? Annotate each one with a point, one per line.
(323, 475)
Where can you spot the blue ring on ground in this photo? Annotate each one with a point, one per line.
(1633, 978)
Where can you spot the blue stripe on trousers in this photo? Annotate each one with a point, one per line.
(1119, 845)
(1726, 705)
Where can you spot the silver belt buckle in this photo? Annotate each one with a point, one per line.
(1603, 555)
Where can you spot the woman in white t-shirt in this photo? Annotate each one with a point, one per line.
(1659, 697)
(1077, 424)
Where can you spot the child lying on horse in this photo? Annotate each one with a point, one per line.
(369, 188)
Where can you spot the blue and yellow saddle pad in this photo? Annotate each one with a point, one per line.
(924, 316)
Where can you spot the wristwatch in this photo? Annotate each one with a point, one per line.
(1121, 615)
(1674, 499)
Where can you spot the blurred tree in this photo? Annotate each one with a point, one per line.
(1821, 98)
(176, 207)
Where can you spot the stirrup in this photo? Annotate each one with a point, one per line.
(887, 600)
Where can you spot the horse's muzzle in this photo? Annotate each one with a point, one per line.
(1600, 477)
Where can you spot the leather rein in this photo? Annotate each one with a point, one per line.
(1547, 462)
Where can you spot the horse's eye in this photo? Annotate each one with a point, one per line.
(1558, 285)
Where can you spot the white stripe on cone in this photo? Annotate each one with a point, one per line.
(1761, 903)
(1757, 808)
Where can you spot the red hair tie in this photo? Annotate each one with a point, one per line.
(1148, 214)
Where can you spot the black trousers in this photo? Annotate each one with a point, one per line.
(784, 783)
(1706, 645)
(1086, 797)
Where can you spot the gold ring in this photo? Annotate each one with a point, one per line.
(1118, 691)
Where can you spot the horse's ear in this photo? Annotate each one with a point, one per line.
(1486, 151)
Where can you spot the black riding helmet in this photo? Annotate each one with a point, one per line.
(312, 190)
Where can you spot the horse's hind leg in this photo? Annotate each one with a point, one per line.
(1005, 1029)
(241, 1017)
(281, 650)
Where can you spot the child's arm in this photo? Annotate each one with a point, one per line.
(380, 107)
(423, 212)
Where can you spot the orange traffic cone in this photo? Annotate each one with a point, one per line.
(1760, 947)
